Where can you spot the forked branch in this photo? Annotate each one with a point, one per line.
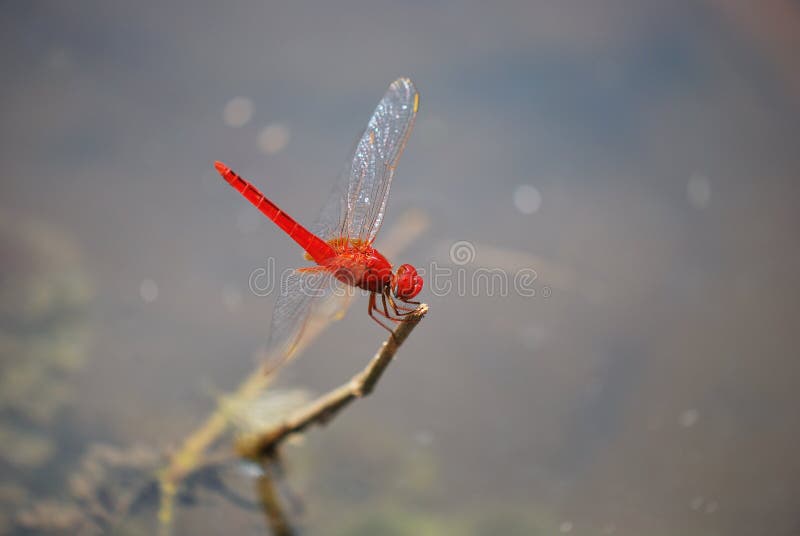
(262, 445)
(193, 453)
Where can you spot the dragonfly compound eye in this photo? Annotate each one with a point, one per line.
(407, 282)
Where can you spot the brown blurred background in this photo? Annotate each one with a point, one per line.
(642, 157)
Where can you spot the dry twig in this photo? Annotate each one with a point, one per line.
(269, 497)
(192, 454)
(262, 445)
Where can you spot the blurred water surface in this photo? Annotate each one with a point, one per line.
(641, 157)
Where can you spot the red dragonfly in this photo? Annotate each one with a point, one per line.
(340, 242)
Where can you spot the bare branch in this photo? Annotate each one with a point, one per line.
(190, 456)
(269, 497)
(322, 410)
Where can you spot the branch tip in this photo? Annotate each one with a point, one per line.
(322, 410)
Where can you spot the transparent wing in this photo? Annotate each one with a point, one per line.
(330, 221)
(305, 293)
(357, 204)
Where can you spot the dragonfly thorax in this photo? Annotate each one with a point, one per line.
(361, 265)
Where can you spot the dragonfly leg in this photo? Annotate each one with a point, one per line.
(372, 308)
(385, 309)
(399, 309)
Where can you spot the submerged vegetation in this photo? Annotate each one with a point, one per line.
(44, 336)
(45, 339)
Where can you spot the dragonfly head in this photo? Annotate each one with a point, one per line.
(406, 282)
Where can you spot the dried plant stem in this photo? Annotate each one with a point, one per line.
(191, 456)
(268, 495)
(322, 410)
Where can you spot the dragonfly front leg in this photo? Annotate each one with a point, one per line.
(372, 308)
(385, 308)
(399, 310)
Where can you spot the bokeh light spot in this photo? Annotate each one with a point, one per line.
(273, 138)
(527, 199)
(231, 298)
(423, 438)
(689, 418)
(238, 111)
(698, 191)
(148, 290)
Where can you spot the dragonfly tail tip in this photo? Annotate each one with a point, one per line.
(221, 168)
